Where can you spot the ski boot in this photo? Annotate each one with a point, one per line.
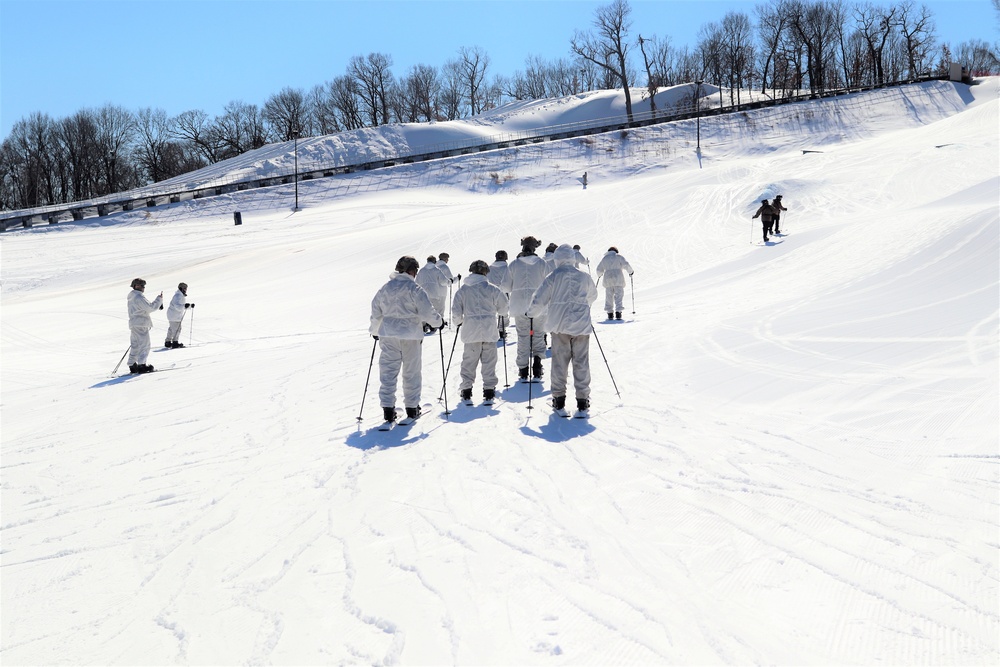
(536, 369)
(559, 406)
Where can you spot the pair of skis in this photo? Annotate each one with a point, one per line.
(563, 412)
(405, 421)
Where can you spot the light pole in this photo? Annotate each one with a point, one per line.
(697, 106)
(295, 136)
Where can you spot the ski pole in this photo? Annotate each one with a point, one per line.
(632, 283)
(120, 361)
(531, 344)
(605, 360)
(444, 373)
(506, 381)
(367, 379)
(191, 328)
(751, 231)
(450, 357)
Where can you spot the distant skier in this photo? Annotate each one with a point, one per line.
(766, 215)
(496, 276)
(565, 297)
(175, 315)
(435, 283)
(398, 310)
(612, 268)
(139, 324)
(778, 208)
(475, 309)
(579, 258)
(446, 270)
(524, 275)
(442, 264)
(550, 262)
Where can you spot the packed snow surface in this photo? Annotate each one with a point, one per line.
(792, 455)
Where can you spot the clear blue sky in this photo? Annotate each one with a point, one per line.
(60, 56)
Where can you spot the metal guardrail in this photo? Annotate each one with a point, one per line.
(152, 196)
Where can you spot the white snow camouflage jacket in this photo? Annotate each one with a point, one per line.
(498, 272)
(613, 267)
(446, 270)
(433, 281)
(400, 308)
(565, 296)
(139, 308)
(476, 306)
(175, 311)
(524, 275)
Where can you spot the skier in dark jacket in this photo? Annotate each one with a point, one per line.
(778, 208)
(766, 215)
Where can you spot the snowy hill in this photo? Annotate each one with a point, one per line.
(801, 466)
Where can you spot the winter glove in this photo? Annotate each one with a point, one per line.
(459, 279)
(374, 336)
(192, 305)
(161, 306)
(186, 306)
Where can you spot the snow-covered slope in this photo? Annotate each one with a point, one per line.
(801, 466)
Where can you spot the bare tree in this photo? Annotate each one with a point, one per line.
(710, 53)
(323, 112)
(286, 113)
(772, 22)
(241, 128)
(473, 65)
(451, 97)
(194, 127)
(374, 80)
(533, 82)
(152, 137)
(420, 89)
(607, 48)
(346, 99)
(737, 51)
(27, 148)
(876, 25)
(656, 58)
(115, 134)
(78, 136)
(978, 57)
(917, 27)
(815, 24)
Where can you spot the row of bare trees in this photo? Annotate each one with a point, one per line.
(784, 45)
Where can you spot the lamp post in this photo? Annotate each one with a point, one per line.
(697, 106)
(295, 136)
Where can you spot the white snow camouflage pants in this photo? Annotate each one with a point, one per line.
(139, 351)
(173, 331)
(566, 348)
(613, 299)
(524, 356)
(473, 354)
(399, 356)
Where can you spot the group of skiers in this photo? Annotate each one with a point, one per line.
(770, 216)
(140, 322)
(547, 296)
